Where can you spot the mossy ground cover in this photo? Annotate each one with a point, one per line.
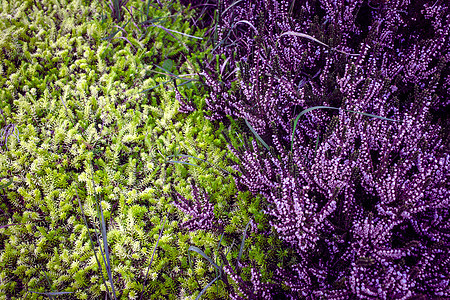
(76, 129)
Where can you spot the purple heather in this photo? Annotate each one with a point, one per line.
(367, 207)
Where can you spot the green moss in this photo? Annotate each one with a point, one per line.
(86, 131)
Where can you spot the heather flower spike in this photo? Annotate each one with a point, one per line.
(318, 107)
(319, 198)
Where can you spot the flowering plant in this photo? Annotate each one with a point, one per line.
(363, 201)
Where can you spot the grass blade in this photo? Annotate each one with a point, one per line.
(206, 287)
(6, 132)
(4, 226)
(148, 6)
(217, 18)
(157, 19)
(373, 116)
(114, 33)
(92, 244)
(293, 33)
(194, 158)
(257, 135)
(186, 82)
(195, 249)
(151, 260)
(121, 37)
(169, 32)
(230, 7)
(148, 90)
(161, 73)
(105, 247)
(181, 84)
(246, 22)
(224, 257)
(52, 293)
(329, 107)
(242, 243)
(291, 8)
(188, 35)
(218, 246)
(6, 184)
(222, 67)
(49, 283)
(221, 42)
(171, 74)
(181, 162)
(105, 242)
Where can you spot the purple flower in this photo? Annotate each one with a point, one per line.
(201, 211)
